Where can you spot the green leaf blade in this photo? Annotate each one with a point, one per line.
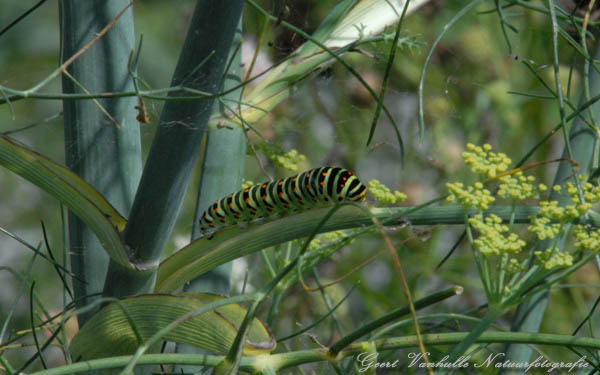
(110, 333)
(68, 188)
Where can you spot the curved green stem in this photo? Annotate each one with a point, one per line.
(285, 360)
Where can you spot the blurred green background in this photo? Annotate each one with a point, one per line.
(466, 99)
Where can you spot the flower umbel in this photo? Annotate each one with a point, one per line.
(326, 239)
(473, 196)
(553, 258)
(517, 187)
(287, 160)
(581, 202)
(383, 194)
(542, 228)
(514, 266)
(483, 161)
(491, 239)
(499, 252)
(587, 239)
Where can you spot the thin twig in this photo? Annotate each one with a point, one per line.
(22, 16)
(345, 276)
(95, 101)
(400, 271)
(70, 60)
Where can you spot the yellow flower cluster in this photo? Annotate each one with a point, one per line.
(586, 239)
(334, 236)
(313, 245)
(542, 228)
(589, 192)
(551, 210)
(473, 196)
(383, 194)
(491, 240)
(517, 187)
(494, 237)
(514, 266)
(553, 258)
(483, 161)
(288, 160)
(325, 239)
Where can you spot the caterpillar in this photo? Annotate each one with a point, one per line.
(313, 188)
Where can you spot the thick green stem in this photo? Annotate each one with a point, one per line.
(222, 172)
(103, 148)
(222, 169)
(286, 360)
(177, 143)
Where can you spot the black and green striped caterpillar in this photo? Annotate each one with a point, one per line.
(313, 188)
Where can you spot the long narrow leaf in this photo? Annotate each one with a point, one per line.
(203, 255)
(109, 333)
(68, 188)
